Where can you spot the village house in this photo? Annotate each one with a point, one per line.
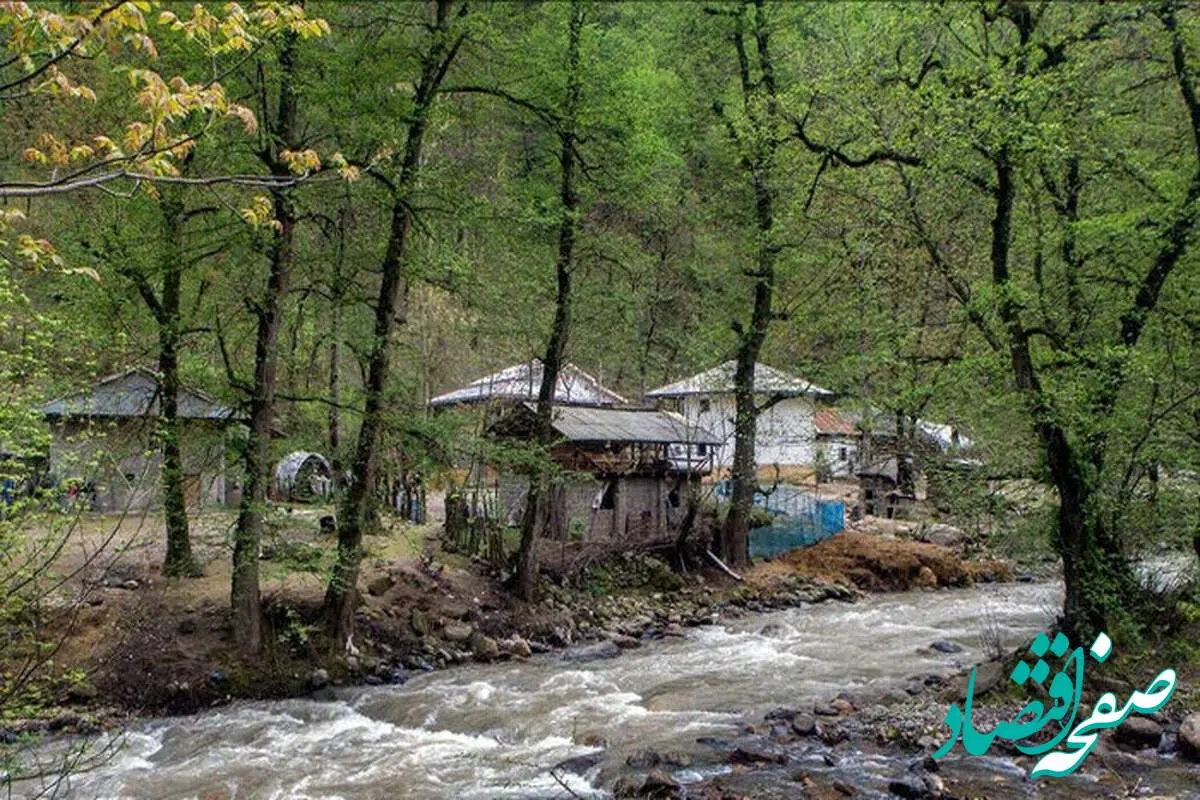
(787, 433)
(104, 442)
(626, 471)
(838, 439)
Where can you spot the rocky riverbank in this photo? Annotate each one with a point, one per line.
(879, 741)
(146, 648)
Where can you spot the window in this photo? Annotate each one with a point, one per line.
(842, 453)
(705, 405)
(701, 449)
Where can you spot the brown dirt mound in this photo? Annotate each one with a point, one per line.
(873, 563)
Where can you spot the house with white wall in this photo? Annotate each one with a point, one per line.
(786, 433)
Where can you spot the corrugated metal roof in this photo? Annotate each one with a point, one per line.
(523, 381)
(290, 465)
(584, 424)
(831, 422)
(134, 393)
(719, 380)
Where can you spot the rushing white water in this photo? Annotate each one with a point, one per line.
(496, 731)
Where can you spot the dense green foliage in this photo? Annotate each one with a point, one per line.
(981, 213)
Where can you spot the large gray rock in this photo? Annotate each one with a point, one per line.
(1189, 737)
(1139, 732)
(804, 725)
(944, 535)
(484, 648)
(660, 785)
(516, 646)
(457, 632)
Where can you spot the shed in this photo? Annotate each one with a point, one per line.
(838, 440)
(878, 490)
(106, 439)
(626, 469)
(303, 477)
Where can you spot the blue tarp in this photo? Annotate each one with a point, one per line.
(801, 520)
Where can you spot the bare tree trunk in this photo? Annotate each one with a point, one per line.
(336, 298)
(537, 506)
(760, 163)
(179, 560)
(341, 595)
(244, 588)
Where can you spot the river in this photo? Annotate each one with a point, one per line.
(496, 731)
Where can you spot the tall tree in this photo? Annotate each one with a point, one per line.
(165, 306)
(757, 141)
(539, 497)
(443, 41)
(279, 142)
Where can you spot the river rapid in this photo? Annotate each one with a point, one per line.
(499, 730)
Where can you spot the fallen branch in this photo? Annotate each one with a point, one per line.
(724, 568)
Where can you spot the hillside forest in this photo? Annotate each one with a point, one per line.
(321, 215)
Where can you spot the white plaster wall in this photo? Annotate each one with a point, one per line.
(785, 436)
(842, 454)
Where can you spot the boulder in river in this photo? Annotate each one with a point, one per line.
(318, 678)
(944, 646)
(750, 755)
(804, 725)
(909, 787)
(660, 786)
(1140, 732)
(1189, 736)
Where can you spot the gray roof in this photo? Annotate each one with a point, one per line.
(522, 382)
(888, 468)
(584, 424)
(719, 380)
(134, 393)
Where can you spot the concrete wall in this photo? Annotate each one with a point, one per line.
(124, 461)
(786, 434)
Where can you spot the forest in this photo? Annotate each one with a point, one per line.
(322, 215)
